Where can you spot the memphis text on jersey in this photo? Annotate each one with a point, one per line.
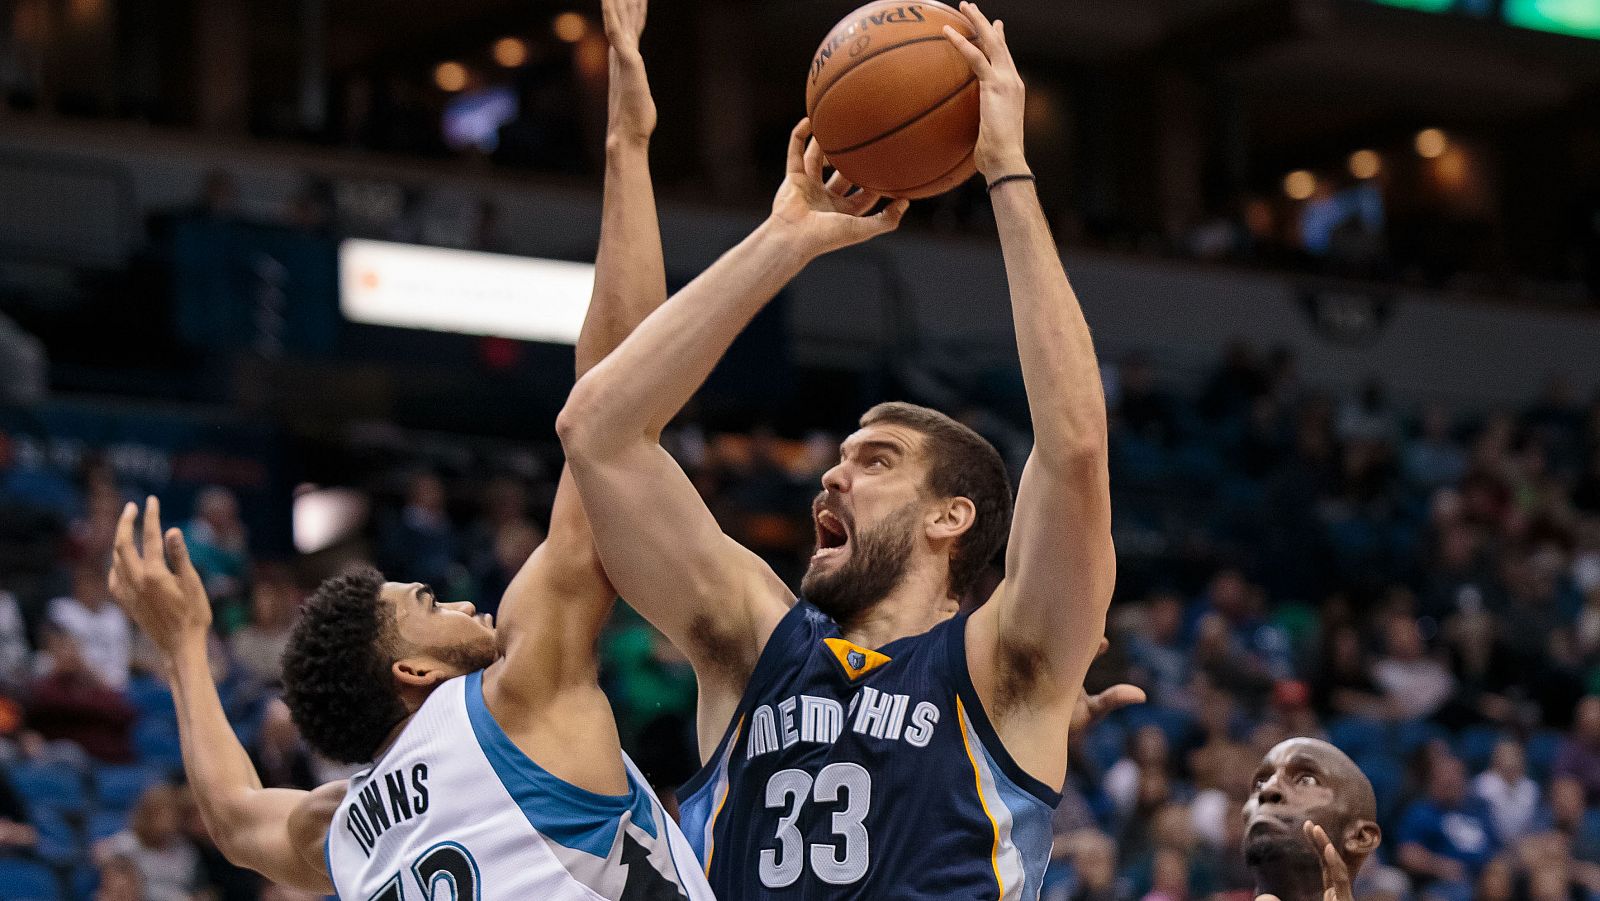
(804, 718)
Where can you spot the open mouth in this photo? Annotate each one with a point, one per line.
(832, 534)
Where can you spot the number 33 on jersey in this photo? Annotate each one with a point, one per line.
(849, 773)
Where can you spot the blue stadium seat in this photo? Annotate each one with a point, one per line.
(156, 743)
(53, 786)
(151, 698)
(1543, 746)
(28, 880)
(1178, 725)
(85, 882)
(1411, 735)
(1388, 780)
(1105, 743)
(1475, 746)
(1357, 735)
(105, 823)
(117, 787)
(58, 840)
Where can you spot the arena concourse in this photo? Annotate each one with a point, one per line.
(1341, 258)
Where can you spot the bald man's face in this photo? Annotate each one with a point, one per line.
(1301, 780)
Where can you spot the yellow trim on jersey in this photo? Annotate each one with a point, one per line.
(977, 780)
(711, 827)
(842, 649)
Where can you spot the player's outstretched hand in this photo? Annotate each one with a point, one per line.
(1091, 709)
(167, 601)
(1335, 875)
(633, 109)
(1002, 96)
(825, 216)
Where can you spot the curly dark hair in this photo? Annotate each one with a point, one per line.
(336, 677)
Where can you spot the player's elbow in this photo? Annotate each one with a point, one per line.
(581, 423)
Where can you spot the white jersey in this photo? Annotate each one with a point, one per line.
(454, 800)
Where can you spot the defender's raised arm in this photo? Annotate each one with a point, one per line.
(276, 832)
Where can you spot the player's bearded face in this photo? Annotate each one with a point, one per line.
(875, 558)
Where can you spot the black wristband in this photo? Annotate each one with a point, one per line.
(1005, 178)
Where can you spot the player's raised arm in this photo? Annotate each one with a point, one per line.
(1042, 632)
(660, 544)
(555, 607)
(278, 833)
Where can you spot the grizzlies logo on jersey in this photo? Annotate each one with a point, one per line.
(851, 773)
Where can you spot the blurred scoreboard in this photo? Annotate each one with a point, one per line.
(1578, 18)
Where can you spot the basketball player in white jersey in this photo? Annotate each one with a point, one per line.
(495, 764)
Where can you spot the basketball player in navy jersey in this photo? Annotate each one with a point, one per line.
(869, 742)
(495, 764)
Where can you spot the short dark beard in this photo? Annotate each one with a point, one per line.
(469, 658)
(1286, 866)
(879, 558)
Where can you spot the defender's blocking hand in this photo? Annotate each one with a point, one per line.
(167, 601)
(1003, 97)
(633, 109)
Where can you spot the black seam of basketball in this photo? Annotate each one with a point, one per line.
(909, 122)
(937, 179)
(878, 52)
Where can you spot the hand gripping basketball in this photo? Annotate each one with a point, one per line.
(1002, 96)
(825, 216)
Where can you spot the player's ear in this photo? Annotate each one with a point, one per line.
(1362, 838)
(952, 519)
(418, 672)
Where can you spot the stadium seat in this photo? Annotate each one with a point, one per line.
(1357, 736)
(58, 840)
(117, 787)
(1388, 780)
(1475, 746)
(151, 698)
(1543, 746)
(85, 882)
(1411, 735)
(28, 880)
(105, 823)
(53, 787)
(156, 743)
(1105, 744)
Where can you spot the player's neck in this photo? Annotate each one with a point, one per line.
(1289, 882)
(920, 602)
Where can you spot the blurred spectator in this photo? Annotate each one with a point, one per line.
(120, 880)
(1445, 838)
(1434, 458)
(1568, 814)
(1158, 648)
(72, 702)
(1148, 758)
(1512, 797)
(1143, 407)
(16, 657)
(420, 545)
(96, 624)
(1093, 856)
(1369, 417)
(16, 829)
(1415, 685)
(24, 367)
(1343, 684)
(219, 545)
(1579, 756)
(154, 841)
(281, 759)
(258, 647)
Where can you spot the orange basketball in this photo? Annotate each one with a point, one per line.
(892, 103)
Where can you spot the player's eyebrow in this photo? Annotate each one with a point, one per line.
(870, 444)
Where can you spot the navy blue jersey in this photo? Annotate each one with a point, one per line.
(854, 773)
